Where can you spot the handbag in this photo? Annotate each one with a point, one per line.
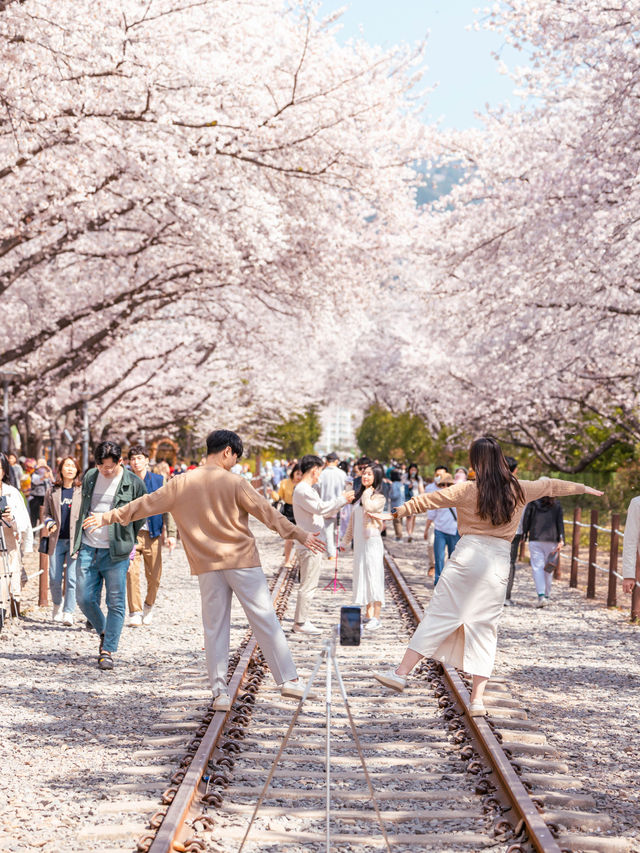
(553, 561)
(43, 547)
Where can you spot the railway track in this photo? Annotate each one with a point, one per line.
(443, 780)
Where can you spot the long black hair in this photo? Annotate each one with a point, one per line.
(499, 492)
(378, 477)
(8, 474)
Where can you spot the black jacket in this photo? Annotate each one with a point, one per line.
(543, 522)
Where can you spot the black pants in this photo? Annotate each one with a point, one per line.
(35, 502)
(515, 547)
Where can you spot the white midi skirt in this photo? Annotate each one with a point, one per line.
(368, 562)
(460, 626)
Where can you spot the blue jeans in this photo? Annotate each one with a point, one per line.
(440, 542)
(57, 560)
(95, 567)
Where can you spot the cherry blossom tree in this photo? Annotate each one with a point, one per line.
(179, 192)
(527, 318)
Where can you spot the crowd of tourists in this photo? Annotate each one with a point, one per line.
(100, 528)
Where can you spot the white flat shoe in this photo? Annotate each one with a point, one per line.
(307, 628)
(222, 702)
(292, 689)
(373, 624)
(477, 709)
(391, 679)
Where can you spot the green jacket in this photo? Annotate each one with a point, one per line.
(122, 538)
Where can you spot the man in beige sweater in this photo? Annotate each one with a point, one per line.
(211, 508)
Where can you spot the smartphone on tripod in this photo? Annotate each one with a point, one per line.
(350, 622)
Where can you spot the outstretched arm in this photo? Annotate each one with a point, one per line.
(260, 508)
(153, 503)
(442, 498)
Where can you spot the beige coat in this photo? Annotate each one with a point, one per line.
(371, 502)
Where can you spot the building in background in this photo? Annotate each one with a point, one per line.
(338, 431)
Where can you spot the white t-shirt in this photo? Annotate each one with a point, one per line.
(332, 483)
(104, 492)
(445, 519)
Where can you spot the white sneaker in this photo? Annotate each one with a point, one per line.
(67, 618)
(56, 613)
(373, 624)
(477, 709)
(222, 702)
(307, 628)
(292, 689)
(135, 620)
(542, 601)
(391, 679)
(147, 615)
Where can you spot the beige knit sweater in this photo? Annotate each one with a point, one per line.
(211, 508)
(464, 496)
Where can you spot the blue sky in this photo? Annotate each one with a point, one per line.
(459, 60)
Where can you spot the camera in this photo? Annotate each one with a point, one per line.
(350, 619)
(4, 506)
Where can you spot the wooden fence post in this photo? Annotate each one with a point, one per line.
(635, 595)
(593, 555)
(613, 561)
(575, 547)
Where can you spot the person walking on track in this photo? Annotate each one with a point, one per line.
(368, 551)
(211, 508)
(331, 484)
(460, 625)
(310, 511)
(543, 526)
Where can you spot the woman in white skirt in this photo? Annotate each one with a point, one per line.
(460, 625)
(368, 552)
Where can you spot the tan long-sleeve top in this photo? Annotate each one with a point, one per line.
(464, 496)
(211, 508)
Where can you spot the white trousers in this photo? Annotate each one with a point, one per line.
(539, 554)
(330, 535)
(250, 587)
(310, 568)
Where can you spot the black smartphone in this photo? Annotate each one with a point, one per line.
(350, 618)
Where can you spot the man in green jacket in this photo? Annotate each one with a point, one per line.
(103, 555)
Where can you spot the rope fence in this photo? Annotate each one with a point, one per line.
(593, 566)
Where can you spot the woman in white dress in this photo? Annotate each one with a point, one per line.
(368, 552)
(460, 624)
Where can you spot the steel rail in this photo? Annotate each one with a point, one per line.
(174, 821)
(540, 836)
